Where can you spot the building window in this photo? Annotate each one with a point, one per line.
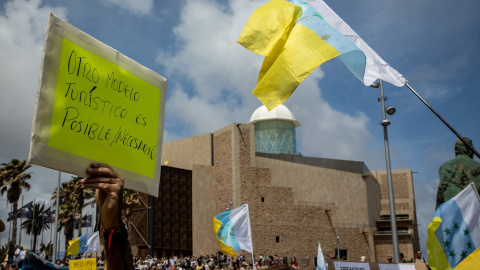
(343, 254)
(277, 239)
(263, 199)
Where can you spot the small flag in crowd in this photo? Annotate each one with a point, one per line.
(85, 244)
(296, 40)
(232, 230)
(321, 264)
(454, 233)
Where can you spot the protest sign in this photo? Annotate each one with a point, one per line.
(96, 105)
(84, 264)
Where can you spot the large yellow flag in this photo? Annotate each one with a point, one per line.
(296, 40)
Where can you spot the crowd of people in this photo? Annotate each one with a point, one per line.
(14, 257)
(210, 262)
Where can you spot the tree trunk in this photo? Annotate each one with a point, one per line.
(68, 231)
(14, 222)
(34, 242)
(79, 222)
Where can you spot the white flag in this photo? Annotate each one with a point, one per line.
(321, 264)
(376, 67)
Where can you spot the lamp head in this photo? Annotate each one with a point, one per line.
(390, 110)
(385, 122)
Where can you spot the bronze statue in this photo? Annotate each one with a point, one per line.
(457, 173)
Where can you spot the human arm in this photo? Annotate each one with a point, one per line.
(108, 187)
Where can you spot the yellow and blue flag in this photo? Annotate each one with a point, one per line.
(453, 240)
(232, 230)
(295, 39)
(85, 244)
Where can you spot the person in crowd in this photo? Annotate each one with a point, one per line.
(390, 259)
(16, 255)
(402, 258)
(294, 264)
(419, 258)
(109, 197)
(271, 261)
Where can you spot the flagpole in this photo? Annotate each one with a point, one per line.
(445, 122)
(33, 226)
(393, 217)
(55, 246)
(21, 220)
(10, 226)
(43, 220)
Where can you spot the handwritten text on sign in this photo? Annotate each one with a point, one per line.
(104, 112)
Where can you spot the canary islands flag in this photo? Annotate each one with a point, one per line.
(376, 67)
(232, 230)
(295, 39)
(454, 233)
(85, 244)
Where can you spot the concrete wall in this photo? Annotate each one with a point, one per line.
(187, 152)
(203, 210)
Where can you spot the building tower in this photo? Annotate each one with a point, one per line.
(274, 130)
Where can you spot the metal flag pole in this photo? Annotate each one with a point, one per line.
(33, 227)
(10, 226)
(55, 246)
(393, 217)
(445, 122)
(43, 220)
(21, 221)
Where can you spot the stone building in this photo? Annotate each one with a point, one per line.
(294, 201)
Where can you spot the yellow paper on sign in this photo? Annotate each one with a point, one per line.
(83, 264)
(96, 105)
(99, 105)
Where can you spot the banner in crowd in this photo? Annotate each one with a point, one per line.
(339, 265)
(83, 264)
(96, 105)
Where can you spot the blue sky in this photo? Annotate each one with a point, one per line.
(210, 76)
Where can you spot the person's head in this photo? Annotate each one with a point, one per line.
(390, 259)
(270, 260)
(418, 254)
(293, 261)
(402, 256)
(57, 262)
(462, 149)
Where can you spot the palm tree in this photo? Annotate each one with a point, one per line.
(72, 199)
(13, 180)
(66, 220)
(35, 225)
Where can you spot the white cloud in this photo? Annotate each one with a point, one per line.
(22, 34)
(139, 7)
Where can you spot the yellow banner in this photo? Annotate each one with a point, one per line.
(84, 264)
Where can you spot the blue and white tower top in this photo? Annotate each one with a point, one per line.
(275, 130)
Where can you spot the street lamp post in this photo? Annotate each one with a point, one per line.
(385, 122)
